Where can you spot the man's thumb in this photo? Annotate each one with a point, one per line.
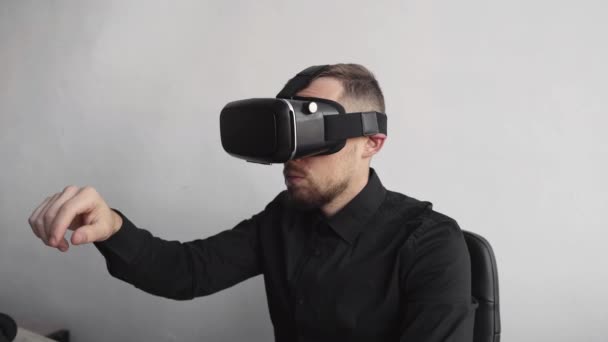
(84, 234)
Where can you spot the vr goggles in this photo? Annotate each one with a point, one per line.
(276, 130)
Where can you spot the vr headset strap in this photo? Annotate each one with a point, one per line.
(300, 81)
(351, 125)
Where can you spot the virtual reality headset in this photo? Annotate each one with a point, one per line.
(276, 130)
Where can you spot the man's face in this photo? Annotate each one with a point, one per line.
(315, 181)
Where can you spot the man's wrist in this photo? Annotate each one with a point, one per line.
(117, 222)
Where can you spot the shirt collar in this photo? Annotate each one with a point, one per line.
(350, 221)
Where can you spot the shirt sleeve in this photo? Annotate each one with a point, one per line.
(185, 270)
(438, 305)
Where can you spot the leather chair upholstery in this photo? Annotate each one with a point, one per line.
(484, 276)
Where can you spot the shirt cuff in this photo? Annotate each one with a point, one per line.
(126, 243)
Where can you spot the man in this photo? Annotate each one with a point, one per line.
(343, 258)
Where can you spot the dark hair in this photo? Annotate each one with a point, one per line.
(361, 89)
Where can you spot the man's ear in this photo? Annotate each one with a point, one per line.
(373, 144)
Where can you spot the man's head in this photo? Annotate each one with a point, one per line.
(318, 180)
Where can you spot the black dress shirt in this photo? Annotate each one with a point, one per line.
(384, 268)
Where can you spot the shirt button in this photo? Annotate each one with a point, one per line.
(317, 252)
(301, 301)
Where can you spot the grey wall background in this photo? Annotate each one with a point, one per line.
(497, 115)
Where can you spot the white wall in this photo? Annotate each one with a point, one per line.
(497, 115)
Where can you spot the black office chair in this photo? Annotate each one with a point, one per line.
(484, 276)
(8, 328)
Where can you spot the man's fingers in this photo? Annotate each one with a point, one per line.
(84, 234)
(83, 202)
(37, 211)
(76, 223)
(63, 245)
(50, 215)
(32, 219)
(40, 227)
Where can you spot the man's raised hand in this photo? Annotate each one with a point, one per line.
(81, 210)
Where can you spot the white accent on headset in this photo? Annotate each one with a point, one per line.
(295, 130)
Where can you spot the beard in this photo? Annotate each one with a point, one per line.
(310, 194)
(313, 196)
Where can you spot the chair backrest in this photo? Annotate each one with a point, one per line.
(484, 281)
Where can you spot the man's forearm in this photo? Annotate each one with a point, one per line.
(179, 270)
(149, 263)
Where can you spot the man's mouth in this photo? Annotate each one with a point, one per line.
(292, 178)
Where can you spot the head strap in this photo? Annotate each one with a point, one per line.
(300, 81)
(350, 125)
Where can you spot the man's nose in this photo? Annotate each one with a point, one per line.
(293, 162)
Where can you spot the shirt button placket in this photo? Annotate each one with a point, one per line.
(302, 310)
